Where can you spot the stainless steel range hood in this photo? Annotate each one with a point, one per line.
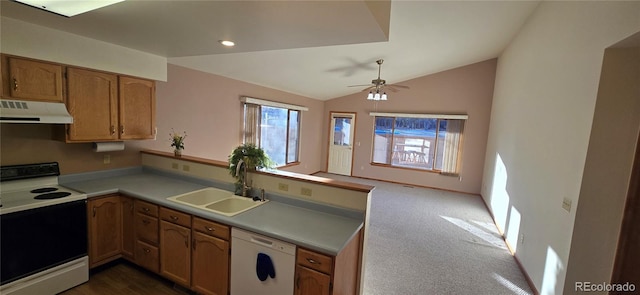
(21, 111)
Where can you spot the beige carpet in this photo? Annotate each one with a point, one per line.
(426, 241)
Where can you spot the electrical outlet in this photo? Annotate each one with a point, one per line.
(521, 238)
(305, 191)
(186, 168)
(106, 159)
(283, 187)
(566, 204)
(174, 165)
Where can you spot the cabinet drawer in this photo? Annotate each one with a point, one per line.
(176, 217)
(146, 208)
(313, 260)
(147, 256)
(211, 228)
(146, 228)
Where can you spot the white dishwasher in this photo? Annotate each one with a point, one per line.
(261, 265)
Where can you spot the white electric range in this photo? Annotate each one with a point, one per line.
(43, 229)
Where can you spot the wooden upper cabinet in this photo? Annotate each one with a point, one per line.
(92, 101)
(137, 108)
(26, 79)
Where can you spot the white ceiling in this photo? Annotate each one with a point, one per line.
(311, 48)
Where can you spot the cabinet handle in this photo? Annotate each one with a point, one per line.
(113, 130)
(121, 129)
(209, 228)
(15, 84)
(173, 217)
(94, 211)
(145, 209)
(146, 250)
(186, 242)
(313, 261)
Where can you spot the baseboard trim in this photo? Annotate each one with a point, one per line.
(511, 250)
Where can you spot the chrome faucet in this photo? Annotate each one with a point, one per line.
(245, 187)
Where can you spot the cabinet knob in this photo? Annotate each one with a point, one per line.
(94, 211)
(173, 217)
(313, 261)
(146, 221)
(209, 228)
(121, 129)
(113, 130)
(15, 84)
(145, 209)
(146, 250)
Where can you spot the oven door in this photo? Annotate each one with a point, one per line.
(37, 239)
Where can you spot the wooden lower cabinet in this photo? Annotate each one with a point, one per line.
(128, 229)
(175, 253)
(320, 274)
(311, 282)
(210, 265)
(105, 229)
(147, 256)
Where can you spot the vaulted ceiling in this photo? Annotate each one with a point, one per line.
(311, 48)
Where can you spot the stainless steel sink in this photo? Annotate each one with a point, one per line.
(217, 201)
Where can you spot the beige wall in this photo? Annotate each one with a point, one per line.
(33, 143)
(34, 41)
(607, 170)
(545, 96)
(464, 90)
(208, 108)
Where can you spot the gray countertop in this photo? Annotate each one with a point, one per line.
(310, 226)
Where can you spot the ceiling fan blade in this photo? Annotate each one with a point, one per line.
(399, 86)
(362, 85)
(368, 88)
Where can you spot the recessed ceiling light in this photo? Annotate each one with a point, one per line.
(68, 8)
(227, 43)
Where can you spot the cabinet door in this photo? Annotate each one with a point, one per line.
(32, 80)
(311, 282)
(105, 229)
(175, 252)
(128, 232)
(137, 108)
(92, 102)
(210, 269)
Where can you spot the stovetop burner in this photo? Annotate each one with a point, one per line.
(49, 196)
(44, 190)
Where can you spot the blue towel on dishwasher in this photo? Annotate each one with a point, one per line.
(264, 267)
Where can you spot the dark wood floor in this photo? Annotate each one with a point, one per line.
(124, 278)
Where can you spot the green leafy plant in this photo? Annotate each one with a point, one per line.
(253, 156)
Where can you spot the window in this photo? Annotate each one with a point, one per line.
(418, 141)
(275, 127)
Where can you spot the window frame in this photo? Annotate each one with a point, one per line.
(260, 103)
(438, 117)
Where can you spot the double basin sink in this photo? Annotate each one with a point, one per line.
(217, 201)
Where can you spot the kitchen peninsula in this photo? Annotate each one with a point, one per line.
(327, 223)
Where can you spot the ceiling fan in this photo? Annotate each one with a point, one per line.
(377, 86)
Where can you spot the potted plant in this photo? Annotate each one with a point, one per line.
(177, 142)
(252, 156)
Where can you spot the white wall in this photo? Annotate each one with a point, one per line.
(543, 106)
(29, 40)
